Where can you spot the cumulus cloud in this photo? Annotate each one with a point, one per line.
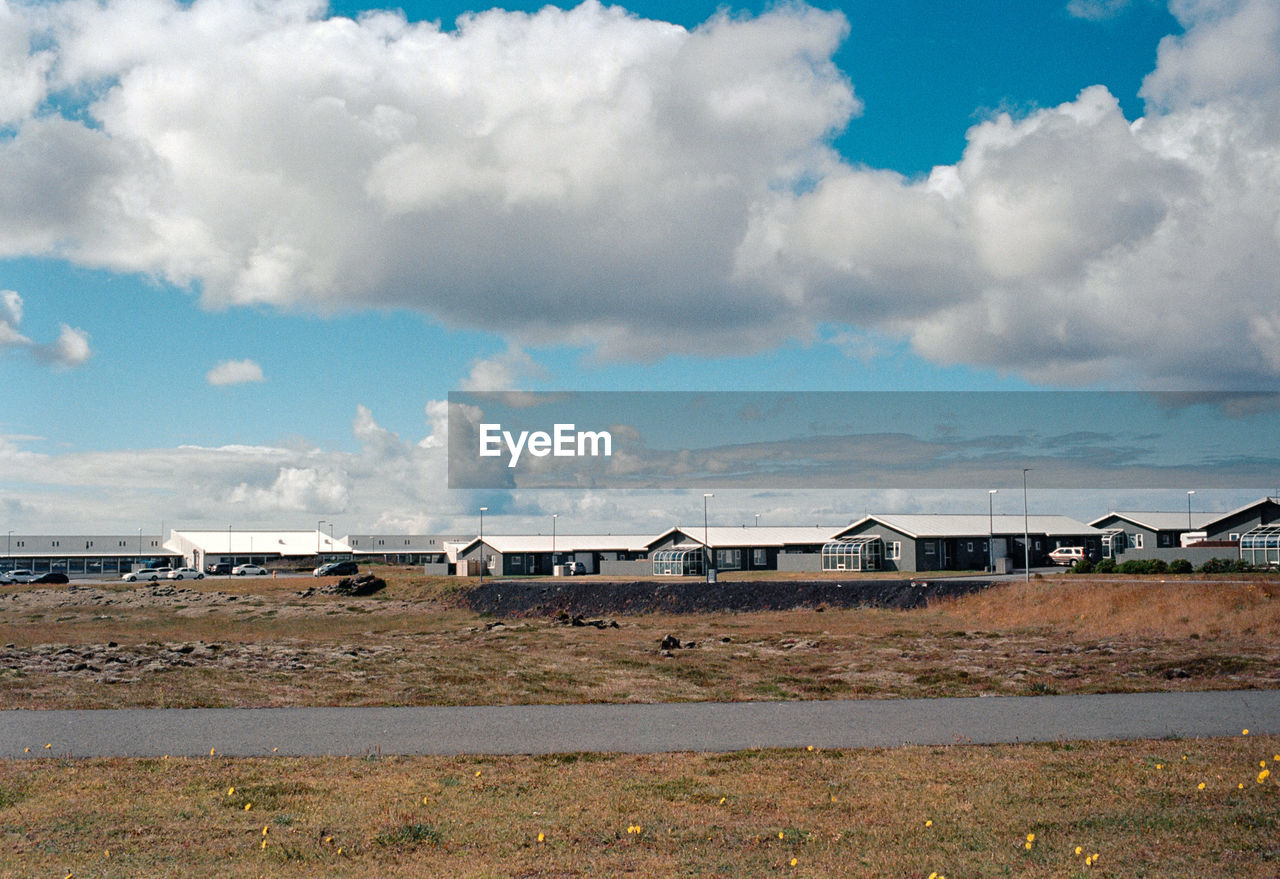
(234, 372)
(596, 178)
(71, 348)
(501, 373)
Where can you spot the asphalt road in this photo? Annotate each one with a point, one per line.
(632, 728)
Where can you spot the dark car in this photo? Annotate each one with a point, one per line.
(51, 577)
(337, 569)
(220, 569)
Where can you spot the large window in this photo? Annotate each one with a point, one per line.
(852, 554)
(728, 559)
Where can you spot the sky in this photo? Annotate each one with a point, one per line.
(247, 250)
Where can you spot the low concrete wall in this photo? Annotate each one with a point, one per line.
(436, 569)
(802, 562)
(636, 568)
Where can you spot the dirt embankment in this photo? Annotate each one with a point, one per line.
(589, 596)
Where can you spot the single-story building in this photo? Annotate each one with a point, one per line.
(85, 555)
(404, 549)
(509, 555)
(681, 549)
(1198, 536)
(201, 549)
(954, 542)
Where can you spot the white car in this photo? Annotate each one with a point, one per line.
(152, 574)
(1067, 555)
(243, 570)
(17, 575)
(185, 574)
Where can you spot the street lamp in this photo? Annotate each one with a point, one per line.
(554, 516)
(706, 547)
(1026, 531)
(757, 520)
(1189, 494)
(318, 524)
(482, 512)
(991, 529)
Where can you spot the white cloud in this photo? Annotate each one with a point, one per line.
(234, 372)
(71, 348)
(594, 178)
(502, 373)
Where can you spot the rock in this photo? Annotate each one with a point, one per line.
(365, 584)
(671, 642)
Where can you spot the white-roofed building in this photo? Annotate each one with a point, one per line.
(523, 554)
(962, 541)
(680, 550)
(203, 549)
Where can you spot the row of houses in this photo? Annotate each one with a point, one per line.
(879, 542)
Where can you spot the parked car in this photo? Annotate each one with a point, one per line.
(17, 575)
(248, 570)
(221, 569)
(52, 577)
(185, 574)
(337, 569)
(1067, 555)
(577, 568)
(152, 574)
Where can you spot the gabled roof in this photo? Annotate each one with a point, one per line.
(1160, 520)
(505, 543)
(1163, 520)
(916, 525)
(751, 535)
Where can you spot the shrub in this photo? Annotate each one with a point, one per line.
(1084, 566)
(1105, 566)
(1216, 566)
(1180, 566)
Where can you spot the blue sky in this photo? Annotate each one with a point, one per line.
(349, 220)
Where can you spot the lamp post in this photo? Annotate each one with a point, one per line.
(1189, 494)
(1026, 531)
(9, 553)
(991, 529)
(482, 512)
(318, 524)
(706, 547)
(554, 516)
(757, 520)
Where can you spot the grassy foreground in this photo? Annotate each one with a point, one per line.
(1192, 808)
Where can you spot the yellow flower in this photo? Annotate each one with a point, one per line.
(928, 822)
(793, 862)
(1079, 850)
(722, 799)
(779, 834)
(1031, 837)
(933, 875)
(1240, 786)
(48, 746)
(1027, 846)
(541, 837)
(230, 791)
(248, 806)
(477, 773)
(1200, 786)
(1159, 766)
(264, 830)
(1262, 776)
(1244, 732)
(811, 747)
(211, 752)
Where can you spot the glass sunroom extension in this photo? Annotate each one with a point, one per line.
(852, 554)
(1261, 546)
(678, 562)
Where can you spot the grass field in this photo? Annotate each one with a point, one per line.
(958, 811)
(1160, 808)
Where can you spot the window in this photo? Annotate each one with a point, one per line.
(929, 548)
(759, 558)
(968, 547)
(1234, 537)
(1136, 541)
(894, 550)
(852, 554)
(728, 559)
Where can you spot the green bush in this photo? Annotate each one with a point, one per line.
(1217, 566)
(1105, 566)
(1180, 566)
(1084, 566)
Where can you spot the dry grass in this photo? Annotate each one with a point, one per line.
(258, 643)
(962, 811)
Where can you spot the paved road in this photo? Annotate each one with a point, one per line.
(541, 729)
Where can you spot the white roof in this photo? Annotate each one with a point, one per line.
(975, 524)
(285, 543)
(751, 535)
(1162, 520)
(567, 542)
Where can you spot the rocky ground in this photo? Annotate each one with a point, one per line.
(591, 596)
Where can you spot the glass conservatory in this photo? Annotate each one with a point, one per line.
(852, 554)
(1261, 546)
(679, 562)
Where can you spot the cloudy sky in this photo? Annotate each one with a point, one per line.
(248, 248)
